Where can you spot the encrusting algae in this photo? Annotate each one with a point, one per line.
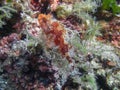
(55, 34)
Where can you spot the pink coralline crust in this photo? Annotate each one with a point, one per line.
(4, 44)
(8, 39)
(43, 4)
(54, 4)
(13, 37)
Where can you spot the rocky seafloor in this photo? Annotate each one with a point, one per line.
(59, 45)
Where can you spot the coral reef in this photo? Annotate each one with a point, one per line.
(59, 45)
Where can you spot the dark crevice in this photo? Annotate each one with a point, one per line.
(7, 29)
(102, 83)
